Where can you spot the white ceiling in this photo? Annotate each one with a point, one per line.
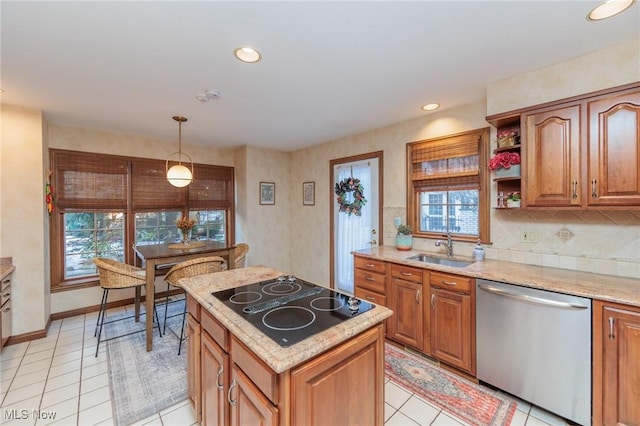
(329, 69)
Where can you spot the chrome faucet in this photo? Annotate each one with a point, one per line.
(448, 244)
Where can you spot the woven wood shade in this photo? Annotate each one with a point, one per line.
(84, 180)
(445, 162)
(211, 188)
(100, 181)
(150, 189)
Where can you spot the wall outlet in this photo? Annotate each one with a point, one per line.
(529, 236)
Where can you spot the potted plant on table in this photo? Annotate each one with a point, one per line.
(404, 238)
(185, 225)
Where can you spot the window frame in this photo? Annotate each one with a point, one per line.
(69, 200)
(447, 182)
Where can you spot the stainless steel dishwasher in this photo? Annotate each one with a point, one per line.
(536, 345)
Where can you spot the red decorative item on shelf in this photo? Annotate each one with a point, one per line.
(504, 160)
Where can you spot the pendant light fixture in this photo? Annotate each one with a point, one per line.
(179, 175)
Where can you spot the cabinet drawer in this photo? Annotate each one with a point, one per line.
(367, 264)
(215, 329)
(6, 283)
(370, 280)
(407, 273)
(370, 296)
(193, 307)
(260, 374)
(6, 294)
(451, 282)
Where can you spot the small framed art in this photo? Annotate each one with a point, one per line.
(308, 193)
(267, 193)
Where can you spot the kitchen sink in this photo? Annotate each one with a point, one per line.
(440, 261)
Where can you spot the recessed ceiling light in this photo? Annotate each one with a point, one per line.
(247, 54)
(430, 107)
(609, 9)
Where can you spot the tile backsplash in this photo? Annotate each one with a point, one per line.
(604, 242)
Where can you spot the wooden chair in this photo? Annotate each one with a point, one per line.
(187, 269)
(117, 275)
(241, 254)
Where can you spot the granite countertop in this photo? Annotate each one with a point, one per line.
(279, 359)
(594, 286)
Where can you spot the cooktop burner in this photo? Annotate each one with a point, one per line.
(289, 310)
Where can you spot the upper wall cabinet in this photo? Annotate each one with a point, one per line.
(614, 150)
(552, 157)
(582, 152)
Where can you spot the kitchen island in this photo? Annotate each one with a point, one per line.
(239, 375)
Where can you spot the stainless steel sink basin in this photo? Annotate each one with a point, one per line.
(440, 261)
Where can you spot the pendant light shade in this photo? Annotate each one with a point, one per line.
(179, 175)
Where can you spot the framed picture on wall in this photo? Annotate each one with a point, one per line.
(267, 193)
(308, 193)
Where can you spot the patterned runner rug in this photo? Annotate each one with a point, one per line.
(472, 403)
(144, 383)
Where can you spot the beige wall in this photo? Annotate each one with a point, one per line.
(23, 216)
(295, 238)
(602, 242)
(310, 240)
(267, 229)
(600, 70)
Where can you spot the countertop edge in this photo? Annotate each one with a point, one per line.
(607, 288)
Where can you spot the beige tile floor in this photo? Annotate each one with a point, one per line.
(60, 375)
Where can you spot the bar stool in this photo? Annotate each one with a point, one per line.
(187, 269)
(117, 275)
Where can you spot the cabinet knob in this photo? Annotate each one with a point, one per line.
(369, 278)
(594, 192)
(575, 189)
(449, 283)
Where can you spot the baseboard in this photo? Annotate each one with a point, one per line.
(39, 334)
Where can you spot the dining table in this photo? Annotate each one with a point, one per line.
(150, 256)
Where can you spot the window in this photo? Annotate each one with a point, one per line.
(462, 212)
(88, 235)
(447, 186)
(157, 227)
(210, 224)
(105, 204)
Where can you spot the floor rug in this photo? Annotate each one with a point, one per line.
(470, 402)
(144, 383)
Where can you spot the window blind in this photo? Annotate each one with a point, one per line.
(83, 180)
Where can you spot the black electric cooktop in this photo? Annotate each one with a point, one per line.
(289, 310)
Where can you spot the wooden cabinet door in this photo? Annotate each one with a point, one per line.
(405, 325)
(342, 387)
(248, 405)
(193, 364)
(451, 327)
(614, 150)
(553, 158)
(616, 365)
(214, 383)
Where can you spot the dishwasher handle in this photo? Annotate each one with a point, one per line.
(531, 299)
